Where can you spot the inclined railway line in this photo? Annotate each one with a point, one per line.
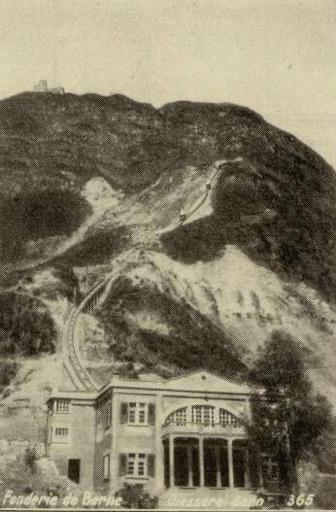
(74, 365)
(216, 170)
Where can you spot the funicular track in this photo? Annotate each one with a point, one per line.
(215, 171)
(73, 363)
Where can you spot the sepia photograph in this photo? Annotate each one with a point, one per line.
(168, 255)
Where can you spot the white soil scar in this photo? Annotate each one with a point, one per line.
(202, 207)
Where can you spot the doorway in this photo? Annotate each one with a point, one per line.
(216, 470)
(240, 464)
(186, 465)
(186, 462)
(74, 470)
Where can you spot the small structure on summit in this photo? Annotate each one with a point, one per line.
(42, 86)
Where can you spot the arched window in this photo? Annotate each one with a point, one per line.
(228, 419)
(206, 415)
(179, 417)
(203, 414)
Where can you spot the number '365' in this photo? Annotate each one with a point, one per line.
(303, 500)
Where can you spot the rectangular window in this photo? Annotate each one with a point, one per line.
(131, 464)
(132, 412)
(137, 413)
(61, 431)
(60, 435)
(136, 464)
(106, 466)
(141, 464)
(142, 413)
(62, 406)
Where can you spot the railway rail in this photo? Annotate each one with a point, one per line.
(74, 365)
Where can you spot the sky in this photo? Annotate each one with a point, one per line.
(277, 57)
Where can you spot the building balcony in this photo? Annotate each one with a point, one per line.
(201, 428)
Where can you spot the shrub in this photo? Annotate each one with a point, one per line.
(134, 496)
(26, 326)
(8, 370)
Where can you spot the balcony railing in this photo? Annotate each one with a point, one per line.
(202, 428)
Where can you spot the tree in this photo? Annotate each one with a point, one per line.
(287, 417)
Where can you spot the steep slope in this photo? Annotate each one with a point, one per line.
(96, 177)
(170, 315)
(276, 199)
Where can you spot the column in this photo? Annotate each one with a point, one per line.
(171, 461)
(218, 467)
(201, 461)
(159, 459)
(190, 472)
(247, 469)
(230, 453)
(114, 446)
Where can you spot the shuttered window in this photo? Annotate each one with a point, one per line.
(137, 413)
(137, 464)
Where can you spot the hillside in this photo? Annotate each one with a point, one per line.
(91, 184)
(166, 316)
(52, 145)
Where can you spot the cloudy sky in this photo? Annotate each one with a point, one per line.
(275, 56)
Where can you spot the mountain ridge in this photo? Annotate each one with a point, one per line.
(122, 172)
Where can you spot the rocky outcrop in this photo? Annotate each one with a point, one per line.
(25, 468)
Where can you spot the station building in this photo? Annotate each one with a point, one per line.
(183, 433)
